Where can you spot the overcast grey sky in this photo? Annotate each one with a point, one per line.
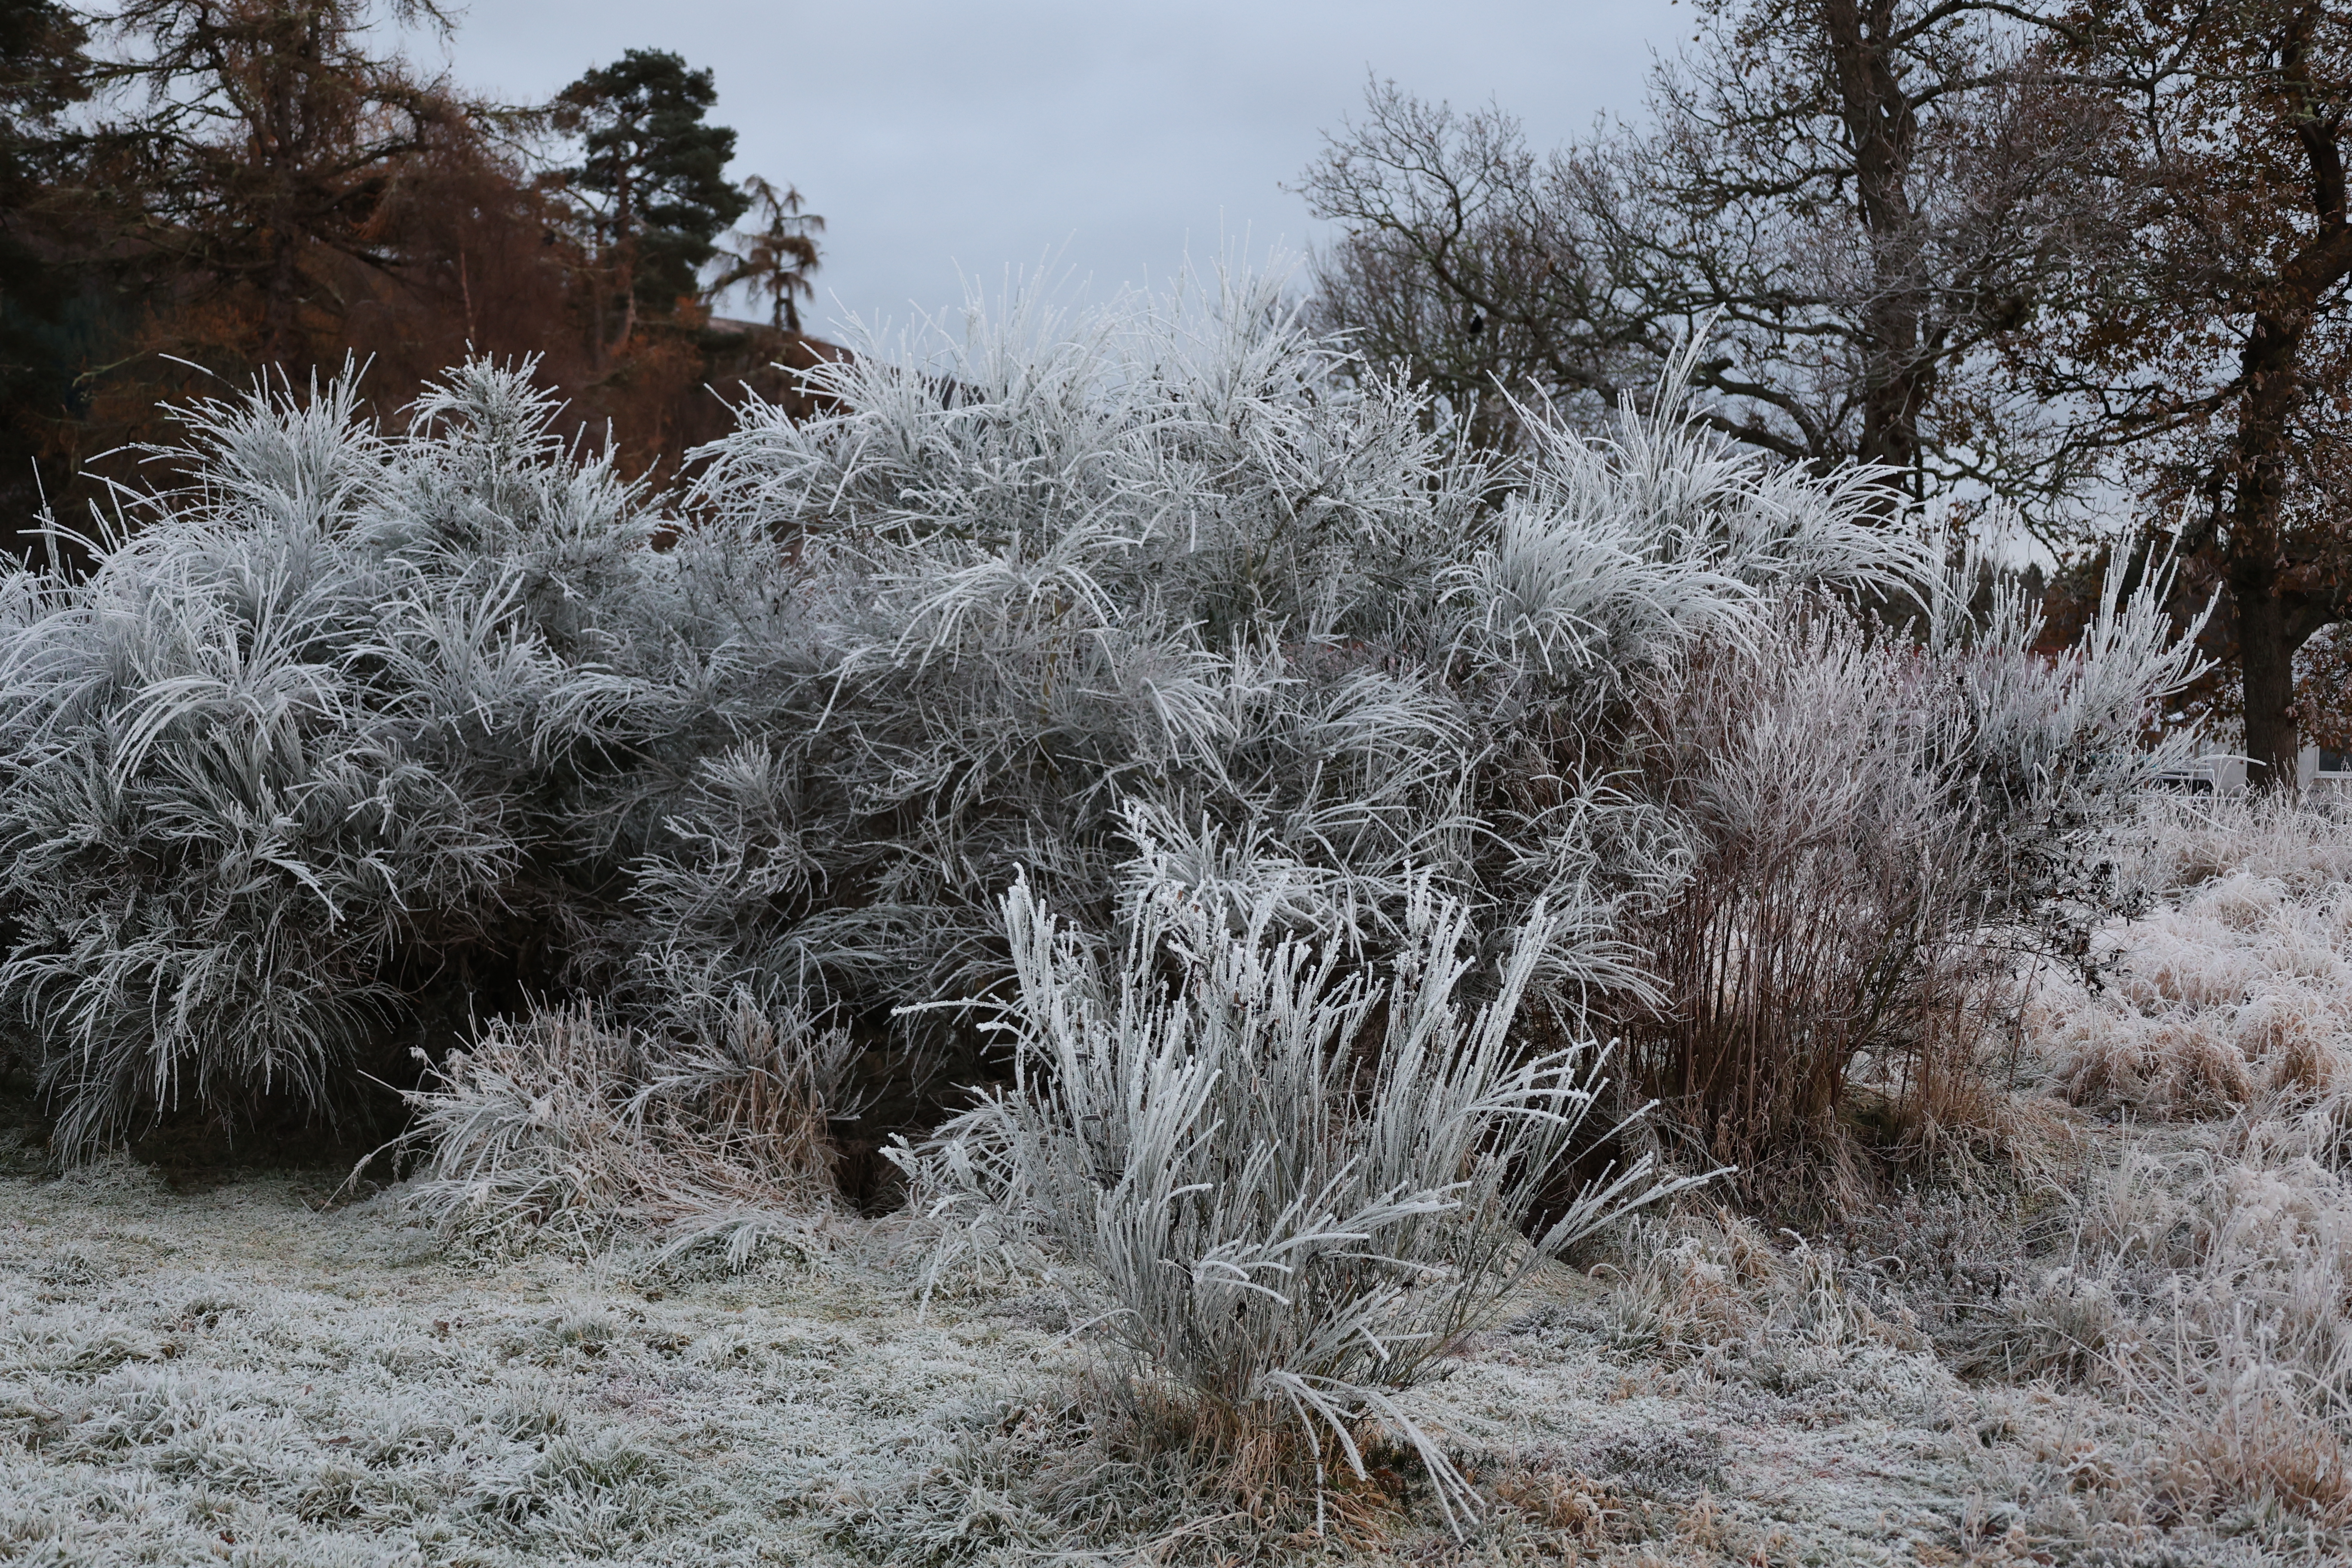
(952, 139)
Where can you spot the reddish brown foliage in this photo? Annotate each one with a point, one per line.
(283, 198)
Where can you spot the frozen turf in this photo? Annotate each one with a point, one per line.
(235, 1376)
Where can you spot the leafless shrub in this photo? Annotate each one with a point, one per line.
(1824, 926)
(1880, 828)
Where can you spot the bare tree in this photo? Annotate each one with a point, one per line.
(2216, 347)
(1856, 199)
(1471, 267)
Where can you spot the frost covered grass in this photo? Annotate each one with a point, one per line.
(243, 1375)
(1286, 1192)
(568, 1124)
(2236, 990)
(2197, 1277)
(248, 1374)
(240, 1377)
(2130, 1365)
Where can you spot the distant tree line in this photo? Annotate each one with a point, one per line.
(2034, 254)
(192, 190)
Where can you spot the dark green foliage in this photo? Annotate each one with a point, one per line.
(43, 72)
(655, 170)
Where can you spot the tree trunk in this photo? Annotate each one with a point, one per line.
(2267, 647)
(1883, 125)
(2266, 642)
(283, 344)
(2275, 620)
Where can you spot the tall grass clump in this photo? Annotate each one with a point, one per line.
(705, 1118)
(2233, 992)
(1289, 1182)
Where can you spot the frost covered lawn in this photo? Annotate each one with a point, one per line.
(2125, 1360)
(186, 1377)
(233, 1375)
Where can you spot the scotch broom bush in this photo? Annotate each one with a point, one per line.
(349, 741)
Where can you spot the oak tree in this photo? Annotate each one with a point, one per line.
(2214, 348)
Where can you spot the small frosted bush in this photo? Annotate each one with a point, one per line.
(1879, 825)
(1290, 1184)
(2050, 752)
(567, 1123)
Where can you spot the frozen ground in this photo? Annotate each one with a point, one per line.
(240, 1376)
(2129, 1346)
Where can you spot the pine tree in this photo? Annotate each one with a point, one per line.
(652, 182)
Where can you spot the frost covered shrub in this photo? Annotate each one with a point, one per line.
(360, 734)
(1289, 1185)
(273, 757)
(1879, 825)
(531, 1129)
(2049, 751)
(1167, 570)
